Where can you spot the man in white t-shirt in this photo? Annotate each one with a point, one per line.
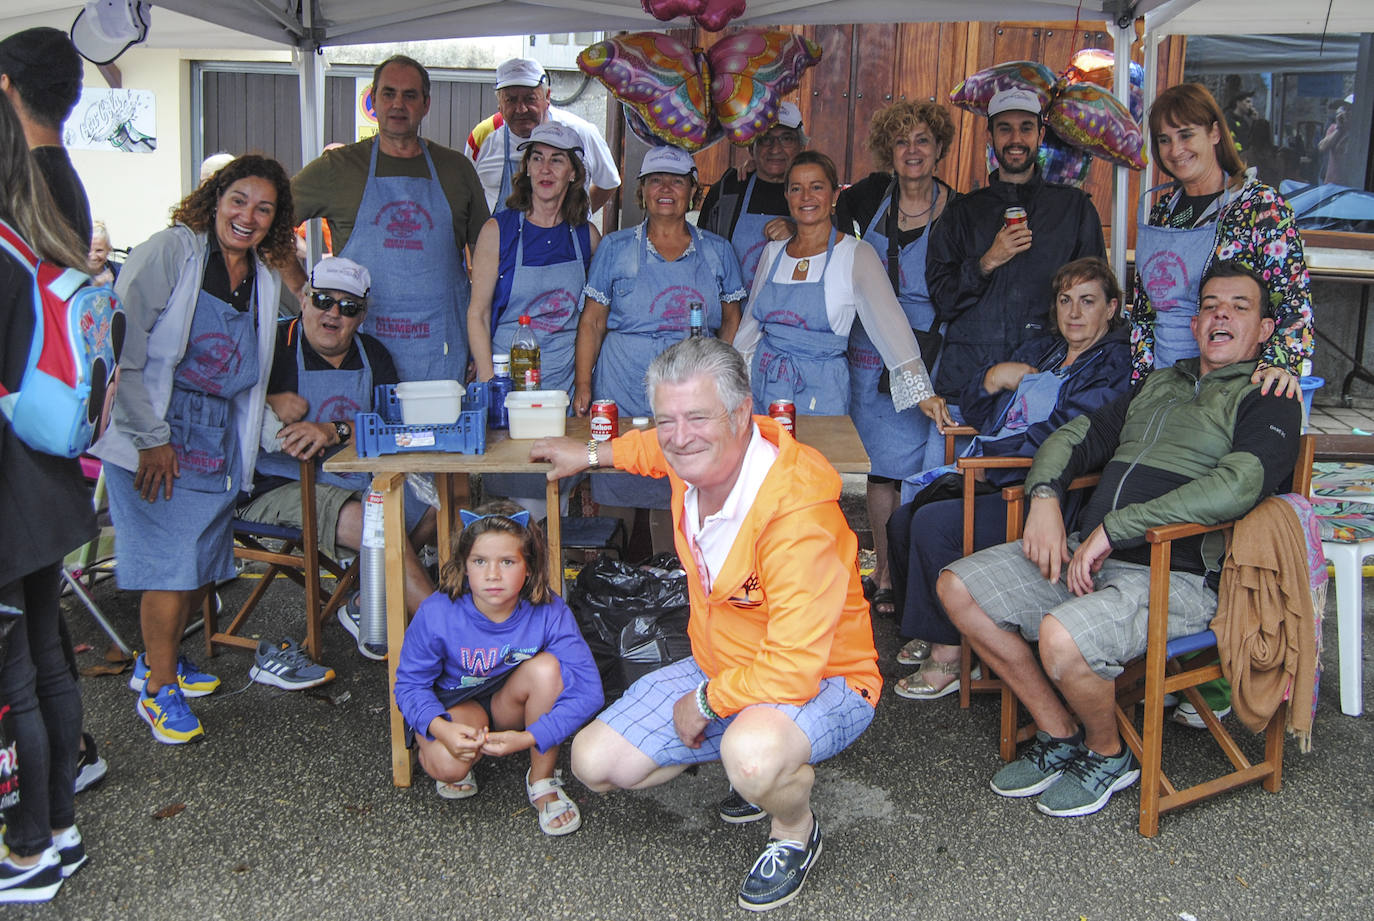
(523, 98)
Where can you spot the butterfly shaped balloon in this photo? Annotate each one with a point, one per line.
(1084, 115)
(690, 98)
(711, 15)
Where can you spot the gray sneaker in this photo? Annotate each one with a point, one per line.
(1088, 782)
(1039, 765)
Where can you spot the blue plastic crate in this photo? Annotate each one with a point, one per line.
(383, 432)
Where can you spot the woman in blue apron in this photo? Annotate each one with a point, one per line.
(420, 303)
(639, 293)
(1016, 404)
(892, 210)
(804, 301)
(1213, 210)
(532, 260)
(183, 440)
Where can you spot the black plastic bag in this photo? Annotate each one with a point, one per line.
(634, 618)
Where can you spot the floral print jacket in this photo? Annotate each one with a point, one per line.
(1259, 230)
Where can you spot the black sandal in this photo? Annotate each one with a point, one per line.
(884, 603)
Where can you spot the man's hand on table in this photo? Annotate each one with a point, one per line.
(568, 455)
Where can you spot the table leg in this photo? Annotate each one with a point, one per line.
(392, 488)
(1359, 371)
(555, 535)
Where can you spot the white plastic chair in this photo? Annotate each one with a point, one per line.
(1342, 497)
(1348, 560)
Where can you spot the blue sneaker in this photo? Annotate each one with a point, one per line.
(193, 681)
(37, 883)
(287, 666)
(1088, 782)
(351, 619)
(170, 716)
(72, 851)
(780, 871)
(1039, 766)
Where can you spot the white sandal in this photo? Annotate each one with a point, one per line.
(552, 810)
(458, 789)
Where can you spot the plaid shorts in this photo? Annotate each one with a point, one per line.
(832, 719)
(1108, 624)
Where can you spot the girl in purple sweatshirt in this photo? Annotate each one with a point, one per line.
(493, 664)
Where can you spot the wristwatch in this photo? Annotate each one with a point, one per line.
(591, 454)
(344, 430)
(1044, 491)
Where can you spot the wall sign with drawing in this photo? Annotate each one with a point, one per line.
(110, 119)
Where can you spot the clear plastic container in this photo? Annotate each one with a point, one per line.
(430, 402)
(537, 413)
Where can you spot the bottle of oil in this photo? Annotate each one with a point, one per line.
(524, 357)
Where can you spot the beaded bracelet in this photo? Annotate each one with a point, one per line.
(704, 705)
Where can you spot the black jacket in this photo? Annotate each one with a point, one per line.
(725, 202)
(989, 316)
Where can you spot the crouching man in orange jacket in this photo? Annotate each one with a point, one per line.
(783, 672)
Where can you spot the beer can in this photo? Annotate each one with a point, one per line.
(605, 417)
(1014, 216)
(785, 411)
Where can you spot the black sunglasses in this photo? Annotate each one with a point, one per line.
(347, 306)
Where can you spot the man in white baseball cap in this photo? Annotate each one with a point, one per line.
(741, 206)
(989, 278)
(523, 101)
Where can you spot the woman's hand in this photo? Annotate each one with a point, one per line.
(582, 399)
(935, 408)
(157, 467)
(1285, 384)
(1006, 375)
(780, 228)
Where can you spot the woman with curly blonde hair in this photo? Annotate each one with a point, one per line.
(893, 210)
(201, 300)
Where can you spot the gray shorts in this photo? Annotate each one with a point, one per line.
(1109, 624)
(282, 506)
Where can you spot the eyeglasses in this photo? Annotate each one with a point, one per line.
(788, 139)
(347, 306)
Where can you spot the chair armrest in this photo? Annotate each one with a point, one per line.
(1170, 532)
(988, 463)
(955, 431)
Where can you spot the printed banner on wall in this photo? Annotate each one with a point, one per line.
(106, 119)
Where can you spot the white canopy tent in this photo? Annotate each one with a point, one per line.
(307, 25)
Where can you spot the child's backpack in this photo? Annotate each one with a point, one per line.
(78, 332)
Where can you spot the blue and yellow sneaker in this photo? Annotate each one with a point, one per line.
(193, 681)
(170, 716)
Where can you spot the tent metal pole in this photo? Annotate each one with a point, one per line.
(310, 68)
(1121, 178)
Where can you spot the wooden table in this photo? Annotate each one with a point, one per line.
(834, 436)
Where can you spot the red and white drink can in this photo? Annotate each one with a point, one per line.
(1014, 216)
(785, 411)
(605, 417)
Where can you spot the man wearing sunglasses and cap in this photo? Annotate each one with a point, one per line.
(323, 373)
(741, 206)
(408, 208)
(523, 98)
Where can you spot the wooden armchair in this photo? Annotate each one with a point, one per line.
(299, 559)
(1160, 671)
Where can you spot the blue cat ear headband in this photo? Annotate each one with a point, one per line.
(521, 517)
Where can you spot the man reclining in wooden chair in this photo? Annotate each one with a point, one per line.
(324, 372)
(1201, 441)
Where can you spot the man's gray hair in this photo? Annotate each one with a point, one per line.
(702, 356)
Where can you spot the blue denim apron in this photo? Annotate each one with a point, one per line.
(895, 441)
(186, 542)
(549, 294)
(799, 357)
(334, 395)
(420, 288)
(747, 238)
(1171, 262)
(648, 313)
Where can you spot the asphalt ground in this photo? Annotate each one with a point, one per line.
(287, 811)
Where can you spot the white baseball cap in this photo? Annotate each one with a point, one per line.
(789, 116)
(553, 134)
(1014, 100)
(520, 72)
(104, 29)
(673, 160)
(335, 273)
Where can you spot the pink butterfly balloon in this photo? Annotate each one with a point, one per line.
(691, 98)
(711, 15)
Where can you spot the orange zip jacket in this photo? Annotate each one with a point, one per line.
(787, 609)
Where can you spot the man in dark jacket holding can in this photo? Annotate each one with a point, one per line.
(990, 279)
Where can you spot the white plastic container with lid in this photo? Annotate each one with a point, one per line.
(537, 413)
(430, 402)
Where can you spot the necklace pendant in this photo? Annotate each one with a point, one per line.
(803, 265)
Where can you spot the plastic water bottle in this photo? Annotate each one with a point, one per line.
(696, 321)
(372, 574)
(497, 388)
(524, 356)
